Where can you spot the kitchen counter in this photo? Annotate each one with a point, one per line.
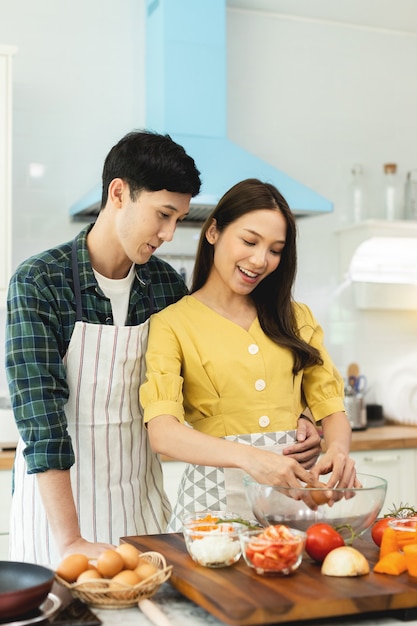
(386, 437)
(236, 595)
(6, 459)
(182, 612)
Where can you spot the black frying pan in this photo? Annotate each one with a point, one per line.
(23, 587)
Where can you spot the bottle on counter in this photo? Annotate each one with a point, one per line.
(410, 196)
(357, 193)
(393, 204)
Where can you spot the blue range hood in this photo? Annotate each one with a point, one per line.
(186, 96)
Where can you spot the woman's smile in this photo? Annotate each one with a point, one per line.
(250, 276)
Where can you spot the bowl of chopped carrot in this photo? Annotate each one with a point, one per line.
(405, 530)
(398, 551)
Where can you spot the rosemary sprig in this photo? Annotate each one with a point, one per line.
(239, 520)
(403, 510)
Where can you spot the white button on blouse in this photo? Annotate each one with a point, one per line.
(260, 384)
(253, 348)
(264, 421)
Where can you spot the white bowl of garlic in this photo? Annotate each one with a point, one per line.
(212, 538)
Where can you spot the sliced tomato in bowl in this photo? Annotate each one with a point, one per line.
(274, 549)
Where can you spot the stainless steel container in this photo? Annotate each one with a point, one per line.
(355, 410)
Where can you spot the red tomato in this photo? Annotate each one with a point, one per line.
(322, 539)
(378, 529)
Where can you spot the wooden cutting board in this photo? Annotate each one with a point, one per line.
(238, 596)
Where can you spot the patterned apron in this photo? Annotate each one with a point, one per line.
(220, 489)
(117, 480)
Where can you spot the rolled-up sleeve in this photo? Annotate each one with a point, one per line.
(36, 374)
(161, 393)
(323, 386)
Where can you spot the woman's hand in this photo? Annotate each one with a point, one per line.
(336, 460)
(278, 470)
(340, 465)
(308, 447)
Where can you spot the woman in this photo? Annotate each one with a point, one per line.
(238, 360)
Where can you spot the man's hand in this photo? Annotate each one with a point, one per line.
(91, 550)
(308, 447)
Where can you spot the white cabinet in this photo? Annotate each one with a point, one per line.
(6, 501)
(173, 470)
(350, 237)
(398, 467)
(6, 53)
(378, 258)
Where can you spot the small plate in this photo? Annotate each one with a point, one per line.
(47, 609)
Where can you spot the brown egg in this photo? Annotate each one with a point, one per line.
(129, 554)
(72, 566)
(89, 574)
(110, 563)
(128, 577)
(320, 497)
(145, 570)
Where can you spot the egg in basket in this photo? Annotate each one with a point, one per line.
(119, 578)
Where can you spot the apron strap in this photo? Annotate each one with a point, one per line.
(146, 282)
(76, 279)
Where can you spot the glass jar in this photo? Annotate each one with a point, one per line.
(357, 193)
(393, 206)
(410, 196)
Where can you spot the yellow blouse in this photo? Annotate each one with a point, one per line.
(223, 380)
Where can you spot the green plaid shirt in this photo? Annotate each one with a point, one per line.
(41, 313)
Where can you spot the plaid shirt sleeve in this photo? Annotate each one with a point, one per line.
(39, 323)
(40, 320)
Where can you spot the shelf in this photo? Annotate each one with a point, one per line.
(383, 276)
(350, 237)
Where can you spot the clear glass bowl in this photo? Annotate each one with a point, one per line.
(351, 514)
(406, 530)
(268, 554)
(212, 537)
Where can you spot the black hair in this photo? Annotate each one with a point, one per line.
(149, 161)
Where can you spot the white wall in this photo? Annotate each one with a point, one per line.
(78, 78)
(327, 96)
(78, 87)
(311, 97)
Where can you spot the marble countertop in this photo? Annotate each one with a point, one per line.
(177, 610)
(182, 612)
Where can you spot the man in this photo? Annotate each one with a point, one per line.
(77, 326)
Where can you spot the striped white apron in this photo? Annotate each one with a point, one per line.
(117, 480)
(221, 489)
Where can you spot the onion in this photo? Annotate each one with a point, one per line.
(345, 561)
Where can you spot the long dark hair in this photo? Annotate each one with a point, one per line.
(273, 296)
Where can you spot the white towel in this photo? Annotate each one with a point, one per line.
(397, 390)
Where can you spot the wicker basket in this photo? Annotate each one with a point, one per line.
(111, 594)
